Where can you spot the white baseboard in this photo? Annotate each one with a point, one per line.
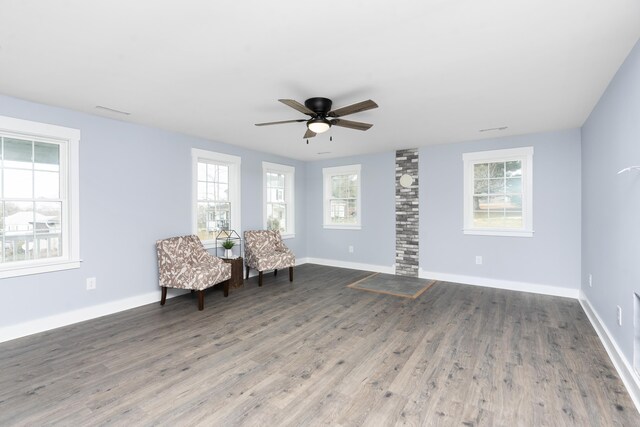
(622, 365)
(67, 318)
(354, 265)
(501, 284)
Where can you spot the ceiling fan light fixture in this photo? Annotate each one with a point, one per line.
(318, 125)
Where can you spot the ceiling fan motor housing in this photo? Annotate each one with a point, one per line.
(320, 106)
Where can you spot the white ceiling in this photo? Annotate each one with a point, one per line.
(440, 70)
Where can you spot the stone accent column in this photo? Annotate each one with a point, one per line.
(407, 214)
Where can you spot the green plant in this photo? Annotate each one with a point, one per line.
(273, 224)
(228, 244)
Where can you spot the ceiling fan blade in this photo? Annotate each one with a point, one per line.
(297, 106)
(353, 108)
(350, 124)
(278, 123)
(309, 134)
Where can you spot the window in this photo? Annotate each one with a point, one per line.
(216, 194)
(342, 197)
(39, 223)
(279, 206)
(498, 192)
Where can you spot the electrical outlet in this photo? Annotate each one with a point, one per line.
(590, 280)
(350, 249)
(478, 260)
(91, 283)
(619, 312)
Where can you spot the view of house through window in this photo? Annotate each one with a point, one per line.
(344, 193)
(342, 196)
(279, 198)
(214, 207)
(497, 195)
(276, 203)
(498, 192)
(31, 206)
(39, 213)
(216, 194)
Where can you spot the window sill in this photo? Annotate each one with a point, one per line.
(288, 236)
(210, 244)
(38, 268)
(502, 233)
(342, 227)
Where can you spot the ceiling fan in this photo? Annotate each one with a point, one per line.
(322, 117)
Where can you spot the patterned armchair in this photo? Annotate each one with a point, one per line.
(184, 263)
(264, 250)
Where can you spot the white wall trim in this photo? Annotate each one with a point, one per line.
(501, 284)
(80, 315)
(622, 365)
(348, 264)
(300, 261)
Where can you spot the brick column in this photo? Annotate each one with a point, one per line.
(407, 214)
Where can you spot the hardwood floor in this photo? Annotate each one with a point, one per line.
(316, 352)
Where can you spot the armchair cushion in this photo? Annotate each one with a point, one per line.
(265, 250)
(184, 263)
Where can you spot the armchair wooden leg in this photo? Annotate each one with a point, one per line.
(200, 300)
(247, 273)
(226, 288)
(259, 278)
(164, 295)
(291, 274)
(275, 272)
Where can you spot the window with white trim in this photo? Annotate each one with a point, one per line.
(342, 197)
(39, 225)
(278, 196)
(498, 192)
(216, 194)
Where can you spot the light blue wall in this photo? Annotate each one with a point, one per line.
(135, 188)
(375, 242)
(551, 257)
(611, 202)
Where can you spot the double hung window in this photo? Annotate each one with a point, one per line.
(279, 206)
(342, 197)
(498, 192)
(216, 194)
(39, 222)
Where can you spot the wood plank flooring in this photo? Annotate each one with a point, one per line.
(317, 353)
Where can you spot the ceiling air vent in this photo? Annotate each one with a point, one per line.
(491, 129)
(112, 110)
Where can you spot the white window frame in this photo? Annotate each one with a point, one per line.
(233, 162)
(69, 140)
(523, 154)
(289, 196)
(327, 173)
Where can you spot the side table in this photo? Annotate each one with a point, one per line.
(236, 271)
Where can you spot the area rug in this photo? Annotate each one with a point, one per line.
(390, 284)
